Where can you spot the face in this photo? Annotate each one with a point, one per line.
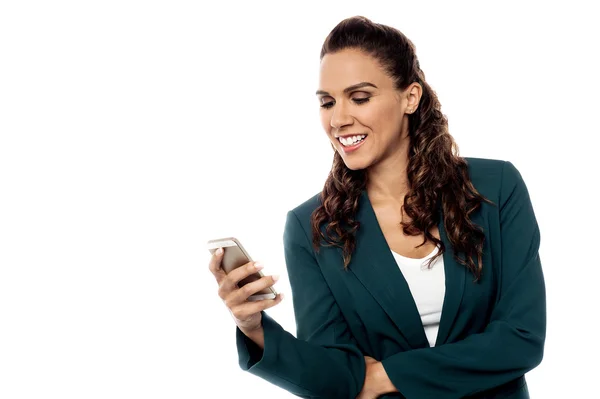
(362, 113)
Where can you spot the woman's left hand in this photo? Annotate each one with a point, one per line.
(370, 388)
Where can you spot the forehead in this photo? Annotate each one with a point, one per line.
(347, 67)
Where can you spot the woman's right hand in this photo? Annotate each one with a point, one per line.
(246, 314)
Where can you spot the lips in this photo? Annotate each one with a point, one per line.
(353, 147)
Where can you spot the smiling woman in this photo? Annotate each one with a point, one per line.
(371, 321)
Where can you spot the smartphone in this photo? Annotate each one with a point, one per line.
(234, 256)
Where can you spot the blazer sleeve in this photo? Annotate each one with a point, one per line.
(513, 341)
(324, 360)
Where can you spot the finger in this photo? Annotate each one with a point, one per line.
(239, 273)
(242, 294)
(369, 360)
(215, 265)
(229, 283)
(244, 310)
(244, 271)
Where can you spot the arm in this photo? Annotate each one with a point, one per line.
(324, 360)
(513, 341)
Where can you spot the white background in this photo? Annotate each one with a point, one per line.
(133, 132)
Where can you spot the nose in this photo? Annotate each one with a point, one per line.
(340, 116)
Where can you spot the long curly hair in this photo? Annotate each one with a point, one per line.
(435, 170)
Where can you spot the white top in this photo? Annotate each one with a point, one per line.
(427, 287)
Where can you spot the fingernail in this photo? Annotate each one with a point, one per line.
(281, 295)
(275, 277)
(219, 251)
(258, 265)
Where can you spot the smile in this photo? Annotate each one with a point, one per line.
(352, 143)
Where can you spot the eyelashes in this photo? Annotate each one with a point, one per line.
(356, 100)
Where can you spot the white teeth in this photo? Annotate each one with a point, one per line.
(351, 140)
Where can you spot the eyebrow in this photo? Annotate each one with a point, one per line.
(350, 88)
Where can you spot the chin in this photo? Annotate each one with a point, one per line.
(354, 167)
(355, 164)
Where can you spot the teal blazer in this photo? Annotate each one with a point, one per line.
(491, 332)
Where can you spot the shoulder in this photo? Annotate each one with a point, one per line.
(303, 211)
(485, 172)
(298, 228)
(493, 178)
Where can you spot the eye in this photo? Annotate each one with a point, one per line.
(356, 100)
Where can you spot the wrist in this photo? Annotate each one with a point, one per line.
(383, 383)
(251, 331)
(256, 335)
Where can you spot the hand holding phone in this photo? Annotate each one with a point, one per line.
(244, 289)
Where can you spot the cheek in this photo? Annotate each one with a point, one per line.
(375, 113)
(373, 118)
(387, 119)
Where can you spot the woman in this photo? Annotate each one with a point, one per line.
(382, 308)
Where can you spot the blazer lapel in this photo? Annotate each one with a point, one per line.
(374, 265)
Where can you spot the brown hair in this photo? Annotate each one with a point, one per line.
(435, 173)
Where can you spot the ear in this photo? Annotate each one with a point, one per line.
(413, 94)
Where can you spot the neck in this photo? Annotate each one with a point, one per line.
(388, 181)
